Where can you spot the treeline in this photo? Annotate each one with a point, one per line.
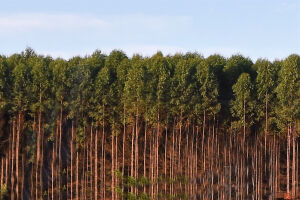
(165, 127)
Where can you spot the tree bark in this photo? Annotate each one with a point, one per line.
(288, 162)
(96, 165)
(13, 164)
(77, 175)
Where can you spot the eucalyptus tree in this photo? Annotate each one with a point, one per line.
(235, 66)
(5, 107)
(209, 91)
(288, 93)
(183, 87)
(107, 99)
(121, 70)
(243, 104)
(134, 97)
(5, 94)
(22, 100)
(158, 99)
(206, 96)
(95, 63)
(60, 90)
(266, 84)
(40, 107)
(80, 92)
(114, 108)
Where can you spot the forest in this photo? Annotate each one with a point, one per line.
(180, 126)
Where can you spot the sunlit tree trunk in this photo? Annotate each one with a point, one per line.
(77, 176)
(12, 163)
(96, 165)
(17, 155)
(288, 161)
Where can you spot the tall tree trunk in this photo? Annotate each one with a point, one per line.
(17, 155)
(156, 150)
(96, 165)
(266, 129)
(244, 120)
(12, 163)
(77, 175)
(131, 160)
(288, 162)
(123, 148)
(294, 163)
(166, 145)
(2, 172)
(59, 150)
(179, 146)
(103, 154)
(112, 165)
(91, 163)
(116, 165)
(42, 162)
(203, 137)
(72, 153)
(136, 147)
(145, 147)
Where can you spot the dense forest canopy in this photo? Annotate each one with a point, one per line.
(119, 127)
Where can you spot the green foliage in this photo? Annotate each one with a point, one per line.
(5, 84)
(207, 91)
(135, 87)
(288, 91)
(243, 104)
(235, 66)
(158, 88)
(100, 92)
(183, 83)
(266, 83)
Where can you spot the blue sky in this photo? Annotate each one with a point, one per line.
(66, 28)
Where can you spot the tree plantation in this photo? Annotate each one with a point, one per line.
(160, 127)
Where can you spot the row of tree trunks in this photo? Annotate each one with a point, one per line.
(221, 166)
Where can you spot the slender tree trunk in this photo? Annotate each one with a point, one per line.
(136, 147)
(103, 154)
(179, 145)
(2, 171)
(116, 165)
(294, 164)
(52, 173)
(297, 171)
(131, 160)
(266, 129)
(8, 157)
(72, 153)
(145, 147)
(123, 148)
(91, 164)
(156, 148)
(151, 164)
(12, 163)
(166, 145)
(244, 120)
(196, 160)
(42, 162)
(288, 162)
(112, 165)
(77, 175)
(96, 165)
(59, 150)
(17, 155)
(203, 137)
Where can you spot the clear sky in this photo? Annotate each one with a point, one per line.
(65, 28)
